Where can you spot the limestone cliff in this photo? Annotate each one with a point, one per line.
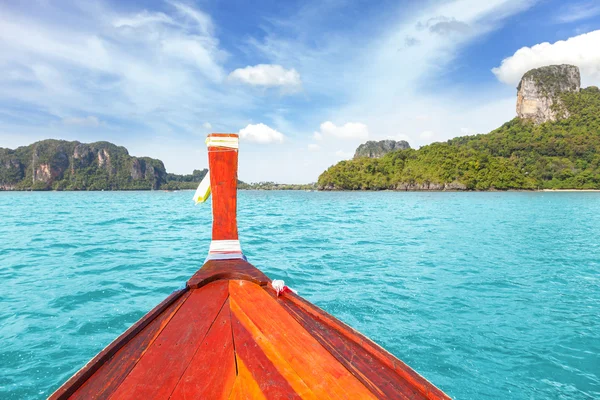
(63, 165)
(373, 149)
(538, 97)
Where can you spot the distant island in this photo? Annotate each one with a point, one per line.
(276, 186)
(554, 143)
(63, 165)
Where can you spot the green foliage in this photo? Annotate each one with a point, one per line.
(275, 186)
(181, 182)
(519, 155)
(62, 165)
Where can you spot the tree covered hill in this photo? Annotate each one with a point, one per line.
(63, 165)
(562, 154)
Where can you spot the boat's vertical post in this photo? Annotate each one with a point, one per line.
(223, 165)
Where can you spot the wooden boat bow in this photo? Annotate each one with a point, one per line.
(228, 334)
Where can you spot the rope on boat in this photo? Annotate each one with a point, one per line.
(281, 288)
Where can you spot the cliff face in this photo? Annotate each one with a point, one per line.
(538, 97)
(373, 149)
(59, 164)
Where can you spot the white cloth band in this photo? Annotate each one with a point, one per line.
(225, 246)
(223, 141)
(224, 256)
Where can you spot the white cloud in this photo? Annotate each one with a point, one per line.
(82, 121)
(154, 70)
(267, 75)
(207, 125)
(143, 18)
(261, 133)
(577, 12)
(317, 136)
(314, 147)
(203, 54)
(202, 20)
(582, 51)
(344, 154)
(427, 135)
(350, 130)
(399, 136)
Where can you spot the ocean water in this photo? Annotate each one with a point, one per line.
(487, 295)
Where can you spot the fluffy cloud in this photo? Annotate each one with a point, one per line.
(314, 147)
(350, 130)
(261, 133)
(582, 50)
(267, 75)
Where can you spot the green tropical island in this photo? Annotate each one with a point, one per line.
(553, 143)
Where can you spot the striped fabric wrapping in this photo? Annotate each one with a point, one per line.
(225, 250)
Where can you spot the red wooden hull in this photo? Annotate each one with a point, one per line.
(228, 335)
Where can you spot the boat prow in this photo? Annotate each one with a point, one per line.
(230, 334)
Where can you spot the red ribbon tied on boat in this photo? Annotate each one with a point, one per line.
(280, 287)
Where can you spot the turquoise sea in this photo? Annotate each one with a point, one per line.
(488, 295)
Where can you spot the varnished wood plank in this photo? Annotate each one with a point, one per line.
(380, 379)
(373, 365)
(81, 376)
(211, 373)
(158, 371)
(108, 378)
(321, 372)
(227, 269)
(271, 352)
(271, 382)
(246, 387)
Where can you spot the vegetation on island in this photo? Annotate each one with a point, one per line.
(182, 182)
(276, 186)
(63, 165)
(564, 154)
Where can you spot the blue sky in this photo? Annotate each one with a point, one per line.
(303, 82)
